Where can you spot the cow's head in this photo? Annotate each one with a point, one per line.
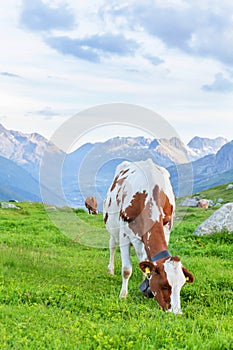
(166, 278)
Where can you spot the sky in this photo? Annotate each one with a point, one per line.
(61, 57)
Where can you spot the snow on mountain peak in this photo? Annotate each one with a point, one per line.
(199, 147)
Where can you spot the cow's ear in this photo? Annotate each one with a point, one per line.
(189, 277)
(146, 266)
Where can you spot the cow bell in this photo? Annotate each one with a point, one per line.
(145, 289)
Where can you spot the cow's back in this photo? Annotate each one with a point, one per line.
(137, 185)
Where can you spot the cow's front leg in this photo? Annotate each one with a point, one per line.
(126, 266)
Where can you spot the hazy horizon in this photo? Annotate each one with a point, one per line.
(93, 137)
(61, 58)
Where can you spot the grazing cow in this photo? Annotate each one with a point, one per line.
(91, 205)
(138, 210)
(203, 203)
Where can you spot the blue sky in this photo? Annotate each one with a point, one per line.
(59, 58)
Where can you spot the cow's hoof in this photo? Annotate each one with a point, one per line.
(123, 294)
(111, 272)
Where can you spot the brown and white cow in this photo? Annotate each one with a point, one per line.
(138, 210)
(91, 205)
(203, 203)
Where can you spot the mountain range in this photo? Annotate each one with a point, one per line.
(34, 169)
(199, 147)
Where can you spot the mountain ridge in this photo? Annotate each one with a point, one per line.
(90, 168)
(199, 147)
(26, 150)
(17, 183)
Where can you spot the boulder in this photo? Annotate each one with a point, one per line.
(5, 205)
(229, 187)
(189, 202)
(221, 220)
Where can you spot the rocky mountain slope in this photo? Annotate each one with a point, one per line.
(211, 170)
(93, 165)
(200, 147)
(26, 150)
(89, 169)
(99, 163)
(17, 183)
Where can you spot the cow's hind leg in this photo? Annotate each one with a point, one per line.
(112, 249)
(126, 266)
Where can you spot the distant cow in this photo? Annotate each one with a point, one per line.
(91, 205)
(139, 209)
(203, 203)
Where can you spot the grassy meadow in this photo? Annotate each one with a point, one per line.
(55, 292)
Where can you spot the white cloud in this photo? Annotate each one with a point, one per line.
(163, 55)
(203, 29)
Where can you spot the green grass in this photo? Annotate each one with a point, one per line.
(55, 292)
(215, 193)
(219, 192)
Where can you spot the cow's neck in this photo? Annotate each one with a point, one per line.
(163, 254)
(155, 242)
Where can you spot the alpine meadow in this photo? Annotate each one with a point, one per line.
(55, 292)
(116, 127)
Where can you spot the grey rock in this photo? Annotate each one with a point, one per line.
(5, 205)
(221, 220)
(220, 200)
(189, 202)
